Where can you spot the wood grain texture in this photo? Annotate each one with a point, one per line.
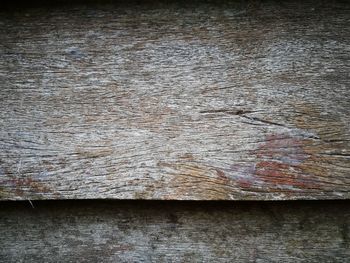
(210, 101)
(90, 231)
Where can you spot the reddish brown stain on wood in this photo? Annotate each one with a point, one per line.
(281, 165)
(285, 147)
(282, 156)
(19, 184)
(221, 174)
(283, 175)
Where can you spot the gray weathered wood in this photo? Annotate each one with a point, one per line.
(90, 231)
(236, 100)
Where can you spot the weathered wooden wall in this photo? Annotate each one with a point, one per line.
(175, 100)
(159, 100)
(121, 231)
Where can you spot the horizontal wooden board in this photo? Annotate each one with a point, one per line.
(91, 231)
(225, 100)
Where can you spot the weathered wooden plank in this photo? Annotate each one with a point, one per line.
(230, 100)
(90, 231)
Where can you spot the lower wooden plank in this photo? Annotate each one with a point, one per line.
(151, 231)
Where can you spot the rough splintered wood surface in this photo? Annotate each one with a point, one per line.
(90, 231)
(176, 101)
